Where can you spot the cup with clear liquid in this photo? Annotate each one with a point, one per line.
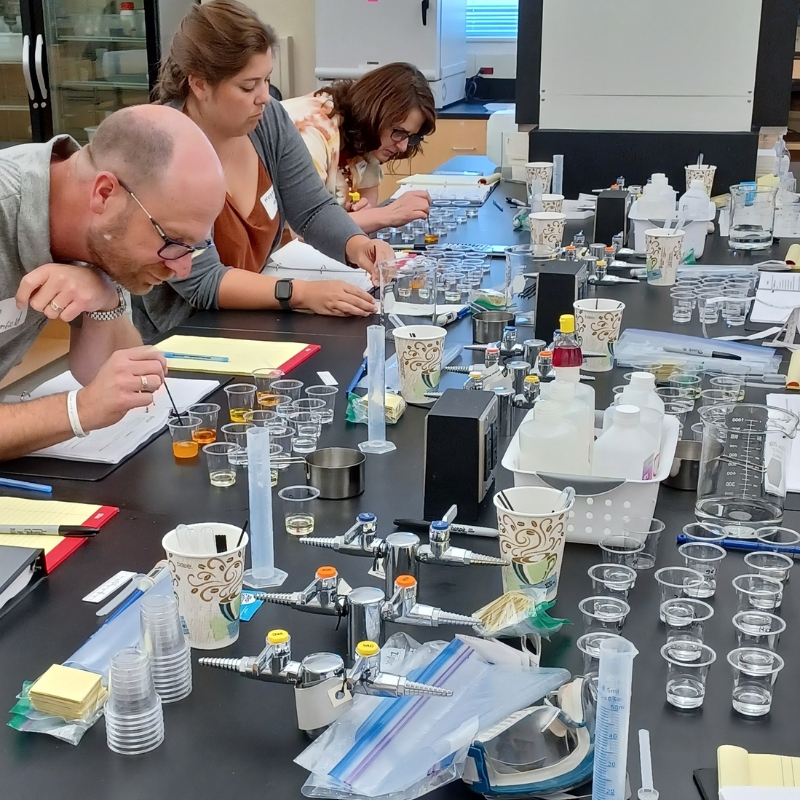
(688, 665)
(755, 671)
(298, 509)
(752, 216)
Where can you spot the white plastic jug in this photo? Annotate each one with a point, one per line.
(641, 392)
(576, 412)
(625, 450)
(694, 202)
(549, 443)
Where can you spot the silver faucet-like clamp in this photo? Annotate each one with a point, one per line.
(404, 609)
(439, 551)
(323, 595)
(357, 541)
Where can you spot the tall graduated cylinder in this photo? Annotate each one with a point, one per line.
(744, 465)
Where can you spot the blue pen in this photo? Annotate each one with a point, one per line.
(497, 205)
(463, 313)
(31, 487)
(749, 545)
(159, 572)
(190, 357)
(357, 377)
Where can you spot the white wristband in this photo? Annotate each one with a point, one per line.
(72, 411)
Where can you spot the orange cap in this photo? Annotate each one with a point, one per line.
(327, 572)
(405, 581)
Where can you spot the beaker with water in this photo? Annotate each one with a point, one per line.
(743, 466)
(752, 216)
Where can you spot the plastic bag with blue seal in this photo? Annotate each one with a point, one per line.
(402, 748)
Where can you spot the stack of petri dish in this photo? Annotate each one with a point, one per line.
(134, 716)
(166, 647)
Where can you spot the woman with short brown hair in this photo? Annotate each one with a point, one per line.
(352, 127)
(217, 72)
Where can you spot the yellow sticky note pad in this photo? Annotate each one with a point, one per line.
(66, 684)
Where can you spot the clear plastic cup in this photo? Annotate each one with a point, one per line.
(671, 394)
(773, 565)
(706, 532)
(328, 395)
(241, 398)
(182, 430)
(306, 423)
(648, 532)
(314, 405)
(691, 384)
(236, 433)
(208, 414)
(758, 629)
(263, 378)
(685, 619)
(717, 397)
(705, 558)
(303, 445)
(776, 538)
(612, 579)
(621, 550)
(298, 509)
(729, 383)
(166, 647)
(589, 645)
(754, 674)
(676, 582)
(757, 592)
(282, 436)
(133, 712)
(682, 305)
(603, 613)
(288, 387)
(221, 471)
(260, 417)
(686, 678)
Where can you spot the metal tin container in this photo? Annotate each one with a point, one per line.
(685, 466)
(487, 326)
(338, 472)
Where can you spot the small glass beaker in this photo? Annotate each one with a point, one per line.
(752, 216)
(743, 466)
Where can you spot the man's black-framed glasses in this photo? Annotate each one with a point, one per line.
(172, 249)
(414, 139)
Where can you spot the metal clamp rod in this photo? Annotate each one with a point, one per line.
(37, 60)
(26, 65)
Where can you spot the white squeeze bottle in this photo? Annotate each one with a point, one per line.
(625, 450)
(641, 392)
(694, 202)
(576, 412)
(549, 443)
(649, 419)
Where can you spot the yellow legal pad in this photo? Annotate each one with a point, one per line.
(66, 692)
(244, 355)
(737, 767)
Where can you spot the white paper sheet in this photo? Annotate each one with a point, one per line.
(778, 293)
(110, 445)
(759, 793)
(790, 402)
(301, 261)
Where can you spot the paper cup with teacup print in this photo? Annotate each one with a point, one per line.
(597, 322)
(553, 202)
(419, 350)
(547, 231)
(541, 171)
(664, 250)
(207, 584)
(701, 172)
(532, 536)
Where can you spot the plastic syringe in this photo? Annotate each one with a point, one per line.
(614, 683)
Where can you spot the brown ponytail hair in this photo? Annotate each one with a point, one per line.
(214, 41)
(380, 100)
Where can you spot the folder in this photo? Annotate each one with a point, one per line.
(21, 568)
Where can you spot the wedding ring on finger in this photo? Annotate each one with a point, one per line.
(145, 385)
(55, 307)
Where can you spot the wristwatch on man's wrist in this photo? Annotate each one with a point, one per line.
(283, 293)
(115, 313)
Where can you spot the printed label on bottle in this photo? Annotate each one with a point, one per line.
(647, 469)
(774, 459)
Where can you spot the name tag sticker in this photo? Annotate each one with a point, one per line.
(360, 167)
(269, 202)
(10, 315)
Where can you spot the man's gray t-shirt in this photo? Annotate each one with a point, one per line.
(25, 233)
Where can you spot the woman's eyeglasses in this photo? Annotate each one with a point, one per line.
(414, 139)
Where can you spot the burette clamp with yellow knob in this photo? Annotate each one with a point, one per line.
(323, 687)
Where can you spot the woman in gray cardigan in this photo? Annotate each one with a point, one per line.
(217, 72)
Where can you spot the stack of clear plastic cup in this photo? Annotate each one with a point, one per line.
(166, 647)
(134, 716)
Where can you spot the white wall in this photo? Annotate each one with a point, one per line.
(295, 18)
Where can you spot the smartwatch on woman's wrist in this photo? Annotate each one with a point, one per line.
(283, 293)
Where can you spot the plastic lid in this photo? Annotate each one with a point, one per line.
(327, 572)
(475, 375)
(440, 524)
(366, 649)
(278, 636)
(570, 247)
(643, 380)
(601, 263)
(365, 516)
(509, 328)
(126, 6)
(531, 379)
(493, 348)
(626, 415)
(546, 353)
(405, 581)
(567, 323)
(547, 410)
(609, 248)
(698, 184)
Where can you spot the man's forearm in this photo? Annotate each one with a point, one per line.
(92, 344)
(32, 425)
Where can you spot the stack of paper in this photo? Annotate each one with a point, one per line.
(752, 776)
(68, 693)
(111, 445)
(474, 188)
(300, 260)
(777, 295)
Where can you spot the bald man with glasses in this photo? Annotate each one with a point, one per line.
(80, 229)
